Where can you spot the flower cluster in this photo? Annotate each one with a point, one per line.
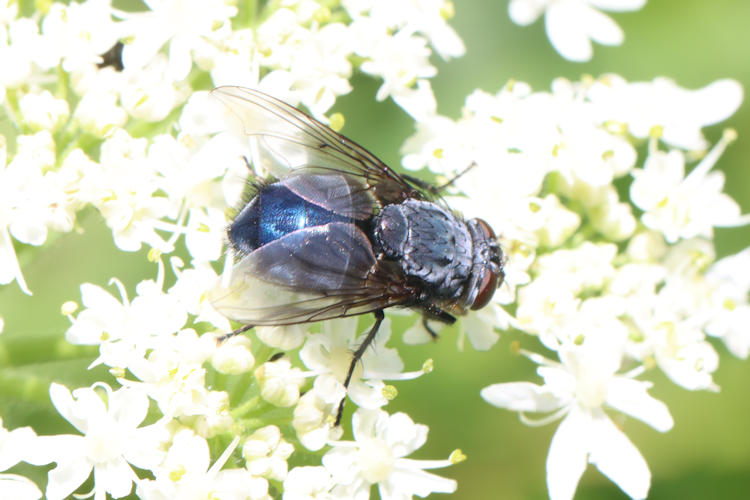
(610, 262)
(571, 25)
(130, 130)
(643, 288)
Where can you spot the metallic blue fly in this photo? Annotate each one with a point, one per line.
(335, 232)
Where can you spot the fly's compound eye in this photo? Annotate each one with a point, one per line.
(486, 289)
(486, 229)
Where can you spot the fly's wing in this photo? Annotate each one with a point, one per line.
(313, 274)
(289, 139)
(340, 193)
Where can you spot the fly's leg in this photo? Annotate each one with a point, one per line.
(431, 312)
(357, 355)
(437, 190)
(229, 335)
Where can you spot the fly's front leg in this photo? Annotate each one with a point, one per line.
(437, 190)
(430, 312)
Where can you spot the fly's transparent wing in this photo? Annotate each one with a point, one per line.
(340, 193)
(316, 273)
(289, 139)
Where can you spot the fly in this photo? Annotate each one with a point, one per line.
(335, 232)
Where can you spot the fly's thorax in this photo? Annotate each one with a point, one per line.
(431, 244)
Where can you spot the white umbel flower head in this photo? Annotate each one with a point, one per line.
(378, 456)
(187, 473)
(684, 206)
(111, 441)
(573, 24)
(579, 388)
(185, 25)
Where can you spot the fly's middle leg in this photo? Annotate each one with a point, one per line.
(357, 355)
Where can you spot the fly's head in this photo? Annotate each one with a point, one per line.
(487, 265)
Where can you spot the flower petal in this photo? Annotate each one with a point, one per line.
(128, 406)
(521, 396)
(19, 487)
(401, 482)
(630, 397)
(618, 459)
(617, 5)
(562, 22)
(601, 28)
(66, 477)
(525, 12)
(566, 460)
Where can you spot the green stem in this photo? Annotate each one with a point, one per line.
(247, 407)
(16, 352)
(240, 389)
(23, 387)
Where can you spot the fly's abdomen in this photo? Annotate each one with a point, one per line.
(275, 212)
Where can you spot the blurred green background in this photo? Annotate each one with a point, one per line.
(706, 455)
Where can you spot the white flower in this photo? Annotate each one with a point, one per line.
(313, 64)
(399, 59)
(266, 452)
(684, 206)
(578, 389)
(320, 70)
(190, 168)
(284, 337)
(37, 150)
(128, 198)
(661, 105)
(546, 306)
(205, 233)
(727, 302)
(172, 374)
(331, 352)
(99, 113)
(315, 413)
(148, 93)
(588, 266)
(427, 17)
(677, 343)
(43, 110)
(556, 222)
(111, 442)
(232, 60)
(572, 24)
(190, 292)
(233, 356)
(81, 32)
(184, 24)
(186, 474)
(308, 483)
(14, 446)
(279, 382)
(27, 49)
(378, 456)
(124, 329)
(19, 488)
(611, 217)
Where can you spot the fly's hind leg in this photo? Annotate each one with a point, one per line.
(357, 355)
(229, 335)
